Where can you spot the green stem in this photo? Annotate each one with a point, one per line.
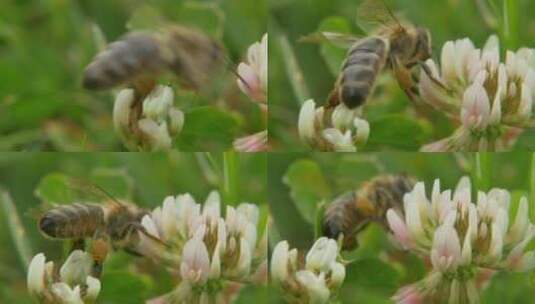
(532, 188)
(16, 229)
(231, 177)
(482, 171)
(510, 24)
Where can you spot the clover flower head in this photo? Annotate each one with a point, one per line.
(209, 253)
(491, 99)
(257, 142)
(159, 123)
(253, 73)
(314, 282)
(73, 285)
(332, 130)
(462, 236)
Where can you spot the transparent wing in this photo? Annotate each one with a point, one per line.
(372, 14)
(87, 190)
(337, 39)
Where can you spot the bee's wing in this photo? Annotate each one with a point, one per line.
(88, 190)
(338, 39)
(372, 14)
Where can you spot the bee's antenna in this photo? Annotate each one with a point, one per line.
(234, 71)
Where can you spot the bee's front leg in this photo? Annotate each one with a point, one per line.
(137, 227)
(404, 78)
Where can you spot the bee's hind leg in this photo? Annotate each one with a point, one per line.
(100, 246)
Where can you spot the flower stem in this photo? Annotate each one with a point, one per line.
(230, 177)
(532, 188)
(482, 170)
(16, 229)
(510, 24)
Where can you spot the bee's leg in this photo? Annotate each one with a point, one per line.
(429, 74)
(100, 247)
(333, 99)
(404, 77)
(137, 227)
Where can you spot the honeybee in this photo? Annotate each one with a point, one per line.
(351, 212)
(113, 224)
(393, 45)
(139, 57)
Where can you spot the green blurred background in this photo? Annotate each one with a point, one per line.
(299, 71)
(46, 44)
(144, 178)
(298, 182)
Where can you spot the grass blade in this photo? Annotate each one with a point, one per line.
(16, 229)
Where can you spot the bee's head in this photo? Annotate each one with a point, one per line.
(423, 44)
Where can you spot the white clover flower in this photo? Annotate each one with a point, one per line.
(158, 124)
(341, 132)
(257, 142)
(322, 254)
(253, 73)
(74, 276)
(314, 282)
(204, 249)
(461, 237)
(195, 265)
(493, 100)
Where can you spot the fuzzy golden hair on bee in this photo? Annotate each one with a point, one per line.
(140, 57)
(351, 212)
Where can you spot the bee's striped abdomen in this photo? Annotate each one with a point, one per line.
(123, 60)
(72, 221)
(341, 216)
(364, 61)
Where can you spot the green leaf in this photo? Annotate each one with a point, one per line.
(372, 241)
(124, 287)
(145, 17)
(55, 188)
(205, 16)
(116, 182)
(308, 187)
(207, 129)
(253, 294)
(372, 274)
(397, 131)
(332, 54)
